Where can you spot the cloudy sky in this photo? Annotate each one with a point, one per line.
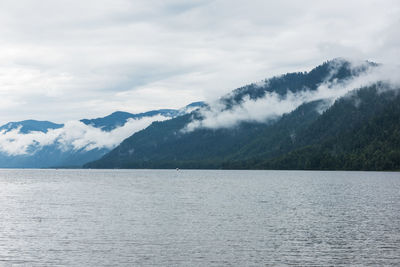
(67, 59)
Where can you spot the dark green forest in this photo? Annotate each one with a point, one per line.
(365, 136)
(360, 131)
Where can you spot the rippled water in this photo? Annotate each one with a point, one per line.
(199, 218)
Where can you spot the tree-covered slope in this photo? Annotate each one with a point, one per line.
(164, 145)
(249, 144)
(334, 70)
(361, 132)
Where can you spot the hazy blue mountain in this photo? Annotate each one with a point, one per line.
(268, 145)
(30, 126)
(50, 156)
(191, 107)
(119, 118)
(60, 153)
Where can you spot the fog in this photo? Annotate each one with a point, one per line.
(273, 105)
(75, 135)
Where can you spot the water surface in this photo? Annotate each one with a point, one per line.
(199, 218)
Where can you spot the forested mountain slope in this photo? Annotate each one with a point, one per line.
(315, 127)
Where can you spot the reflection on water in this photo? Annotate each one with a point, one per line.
(199, 218)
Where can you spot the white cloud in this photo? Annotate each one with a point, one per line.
(273, 105)
(75, 135)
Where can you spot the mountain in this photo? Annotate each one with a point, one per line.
(119, 118)
(50, 156)
(163, 145)
(365, 136)
(42, 144)
(30, 126)
(322, 123)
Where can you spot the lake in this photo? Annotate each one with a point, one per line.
(199, 218)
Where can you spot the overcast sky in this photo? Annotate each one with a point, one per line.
(67, 59)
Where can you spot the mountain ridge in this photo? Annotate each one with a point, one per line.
(44, 144)
(27, 126)
(250, 143)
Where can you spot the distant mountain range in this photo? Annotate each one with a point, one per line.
(30, 126)
(334, 117)
(341, 115)
(43, 144)
(119, 118)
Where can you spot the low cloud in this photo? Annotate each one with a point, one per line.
(273, 105)
(75, 135)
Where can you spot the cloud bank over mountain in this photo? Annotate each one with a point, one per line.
(74, 135)
(273, 105)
